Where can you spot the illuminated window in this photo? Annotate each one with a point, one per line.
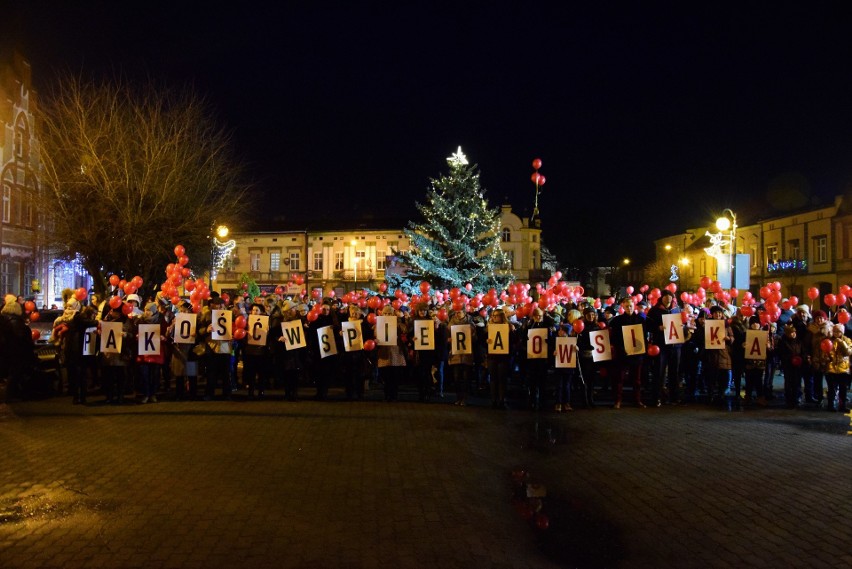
(295, 261)
(772, 253)
(255, 261)
(510, 259)
(793, 250)
(507, 235)
(317, 261)
(338, 261)
(820, 249)
(381, 260)
(7, 204)
(275, 261)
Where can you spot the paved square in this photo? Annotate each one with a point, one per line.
(374, 484)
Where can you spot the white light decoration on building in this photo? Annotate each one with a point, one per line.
(221, 252)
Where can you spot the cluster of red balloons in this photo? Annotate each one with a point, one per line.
(537, 178)
(178, 275)
(33, 316)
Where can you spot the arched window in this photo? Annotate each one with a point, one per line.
(507, 235)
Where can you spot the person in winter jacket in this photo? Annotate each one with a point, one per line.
(837, 369)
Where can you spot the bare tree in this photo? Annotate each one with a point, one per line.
(128, 172)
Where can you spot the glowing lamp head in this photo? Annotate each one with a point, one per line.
(723, 224)
(222, 231)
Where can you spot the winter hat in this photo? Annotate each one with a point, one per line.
(803, 308)
(820, 314)
(12, 307)
(135, 297)
(10, 298)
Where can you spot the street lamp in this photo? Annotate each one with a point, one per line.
(726, 223)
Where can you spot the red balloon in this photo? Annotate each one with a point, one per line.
(796, 361)
(127, 309)
(794, 300)
(536, 163)
(312, 316)
(129, 288)
(374, 302)
(383, 287)
(36, 334)
(34, 316)
(369, 345)
(541, 180)
(705, 282)
(175, 300)
(81, 294)
(113, 280)
(239, 334)
(442, 315)
(424, 287)
(536, 177)
(179, 250)
(840, 298)
(653, 350)
(240, 322)
(748, 311)
(29, 306)
(182, 260)
(115, 302)
(137, 281)
(578, 325)
(813, 293)
(830, 299)
(842, 316)
(826, 345)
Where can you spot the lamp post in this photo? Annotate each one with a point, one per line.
(725, 223)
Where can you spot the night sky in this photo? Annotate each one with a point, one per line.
(649, 117)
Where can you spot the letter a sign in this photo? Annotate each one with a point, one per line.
(673, 329)
(755, 344)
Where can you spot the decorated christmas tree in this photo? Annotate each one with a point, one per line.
(459, 239)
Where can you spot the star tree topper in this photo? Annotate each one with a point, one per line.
(458, 159)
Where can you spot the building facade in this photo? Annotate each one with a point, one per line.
(804, 249)
(347, 259)
(27, 265)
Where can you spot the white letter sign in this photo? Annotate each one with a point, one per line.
(566, 351)
(755, 344)
(149, 339)
(461, 340)
(601, 350)
(353, 340)
(327, 345)
(498, 338)
(424, 335)
(111, 337)
(673, 329)
(89, 341)
(536, 343)
(184, 328)
(386, 330)
(714, 334)
(258, 327)
(634, 339)
(293, 334)
(221, 325)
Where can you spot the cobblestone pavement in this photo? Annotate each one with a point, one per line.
(373, 484)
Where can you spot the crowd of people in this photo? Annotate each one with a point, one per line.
(811, 351)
